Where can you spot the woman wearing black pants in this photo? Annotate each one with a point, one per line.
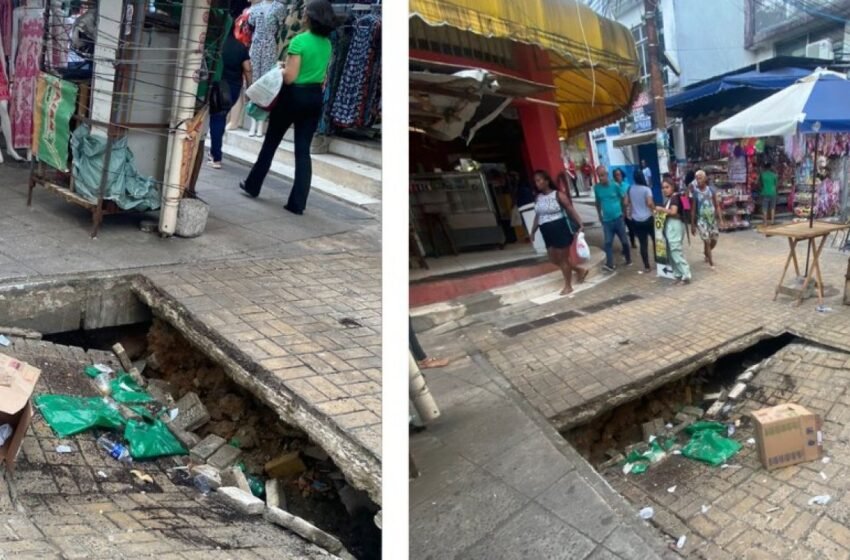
(299, 104)
(642, 212)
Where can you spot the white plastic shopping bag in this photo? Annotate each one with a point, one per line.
(582, 248)
(264, 91)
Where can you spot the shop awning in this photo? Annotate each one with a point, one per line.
(634, 139)
(767, 80)
(593, 60)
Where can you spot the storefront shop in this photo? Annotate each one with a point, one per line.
(474, 146)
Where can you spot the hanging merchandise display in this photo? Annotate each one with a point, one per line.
(356, 103)
(266, 18)
(55, 103)
(26, 56)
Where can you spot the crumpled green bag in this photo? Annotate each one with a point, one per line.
(148, 440)
(125, 390)
(710, 447)
(704, 425)
(69, 415)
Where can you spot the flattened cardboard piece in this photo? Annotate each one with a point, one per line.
(21, 378)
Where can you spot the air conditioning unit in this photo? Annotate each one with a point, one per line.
(820, 49)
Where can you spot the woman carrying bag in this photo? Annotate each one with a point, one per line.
(559, 223)
(299, 103)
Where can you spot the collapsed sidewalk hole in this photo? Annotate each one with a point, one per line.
(616, 429)
(235, 413)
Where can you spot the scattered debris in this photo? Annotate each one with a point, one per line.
(142, 477)
(64, 449)
(242, 501)
(21, 333)
(672, 489)
(4, 341)
(730, 430)
(715, 409)
(822, 475)
(737, 390)
(615, 460)
(205, 449)
(286, 465)
(825, 460)
(680, 544)
(274, 496)
(226, 456)
(751, 441)
(718, 396)
(748, 375)
(820, 500)
(647, 513)
(799, 440)
(102, 474)
(205, 477)
(192, 414)
(773, 509)
(628, 467)
(707, 445)
(306, 530)
(234, 476)
(704, 508)
(693, 411)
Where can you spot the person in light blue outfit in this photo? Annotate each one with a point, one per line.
(674, 232)
(611, 206)
(641, 208)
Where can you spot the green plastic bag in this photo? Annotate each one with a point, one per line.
(703, 425)
(69, 415)
(710, 447)
(640, 461)
(151, 439)
(255, 112)
(125, 390)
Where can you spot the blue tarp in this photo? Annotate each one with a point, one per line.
(827, 106)
(770, 79)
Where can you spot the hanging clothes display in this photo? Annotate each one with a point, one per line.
(6, 10)
(340, 43)
(28, 51)
(357, 99)
(291, 25)
(266, 18)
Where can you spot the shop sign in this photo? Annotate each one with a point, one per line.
(643, 122)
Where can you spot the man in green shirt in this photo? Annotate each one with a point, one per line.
(768, 181)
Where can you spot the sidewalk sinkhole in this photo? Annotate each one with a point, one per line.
(318, 493)
(615, 430)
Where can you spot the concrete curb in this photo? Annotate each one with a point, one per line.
(430, 316)
(324, 186)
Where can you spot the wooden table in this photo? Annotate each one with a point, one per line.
(795, 233)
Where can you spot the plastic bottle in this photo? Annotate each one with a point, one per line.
(115, 449)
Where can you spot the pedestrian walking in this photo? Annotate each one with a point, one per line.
(706, 216)
(647, 172)
(299, 103)
(641, 215)
(236, 70)
(559, 223)
(620, 180)
(674, 232)
(768, 180)
(611, 207)
(422, 359)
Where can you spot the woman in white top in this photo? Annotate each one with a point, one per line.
(559, 223)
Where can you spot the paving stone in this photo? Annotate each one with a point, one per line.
(240, 500)
(275, 498)
(192, 414)
(206, 448)
(234, 476)
(226, 456)
(305, 529)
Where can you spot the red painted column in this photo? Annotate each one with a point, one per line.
(542, 149)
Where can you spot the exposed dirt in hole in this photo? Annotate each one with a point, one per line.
(132, 337)
(621, 426)
(238, 415)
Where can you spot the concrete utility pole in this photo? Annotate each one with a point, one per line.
(654, 61)
(656, 84)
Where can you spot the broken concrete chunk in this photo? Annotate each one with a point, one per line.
(234, 476)
(613, 461)
(242, 501)
(640, 447)
(315, 452)
(718, 396)
(683, 418)
(748, 375)
(715, 409)
(286, 465)
(118, 348)
(226, 456)
(693, 411)
(737, 390)
(275, 497)
(208, 473)
(188, 439)
(192, 414)
(161, 390)
(205, 449)
(305, 529)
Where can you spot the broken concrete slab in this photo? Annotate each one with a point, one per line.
(654, 427)
(315, 452)
(716, 396)
(286, 465)
(306, 530)
(205, 449)
(693, 411)
(683, 418)
(225, 457)
(613, 461)
(715, 409)
(240, 500)
(188, 439)
(161, 390)
(192, 414)
(737, 390)
(275, 497)
(748, 375)
(234, 476)
(208, 473)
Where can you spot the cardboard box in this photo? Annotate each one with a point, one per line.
(17, 382)
(787, 434)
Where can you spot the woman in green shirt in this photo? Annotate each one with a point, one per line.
(299, 103)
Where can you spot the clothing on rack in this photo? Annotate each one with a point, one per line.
(267, 19)
(6, 10)
(340, 41)
(357, 99)
(26, 74)
(291, 25)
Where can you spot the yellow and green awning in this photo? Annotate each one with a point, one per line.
(593, 60)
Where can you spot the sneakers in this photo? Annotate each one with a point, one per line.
(629, 263)
(607, 268)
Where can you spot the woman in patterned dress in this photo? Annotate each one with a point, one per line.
(706, 216)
